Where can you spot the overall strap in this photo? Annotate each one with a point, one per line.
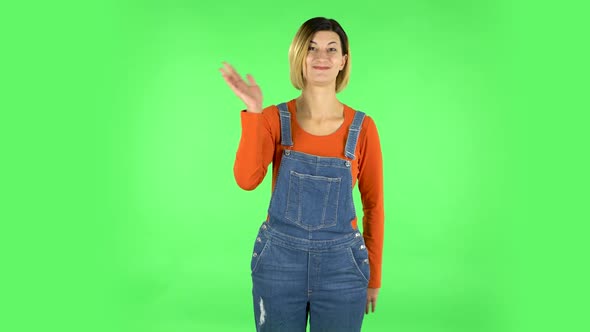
(285, 117)
(353, 134)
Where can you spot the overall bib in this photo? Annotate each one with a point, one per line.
(307, 256)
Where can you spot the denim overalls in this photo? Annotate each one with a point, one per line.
(307, 257)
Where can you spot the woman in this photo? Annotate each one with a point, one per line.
(309, 257)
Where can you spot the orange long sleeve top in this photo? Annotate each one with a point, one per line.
(260, 144)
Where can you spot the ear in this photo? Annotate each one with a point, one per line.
(344, 59)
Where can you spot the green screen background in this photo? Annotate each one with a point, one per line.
(122, 213)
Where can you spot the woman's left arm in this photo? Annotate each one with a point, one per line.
(370, 181)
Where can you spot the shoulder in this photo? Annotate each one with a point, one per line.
(368, 124)
(368, 133)
(271, 112)
(369, 145)
(272, 120)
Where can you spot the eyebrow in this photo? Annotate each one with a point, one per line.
(332, 42)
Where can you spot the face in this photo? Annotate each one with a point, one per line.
(324, 58)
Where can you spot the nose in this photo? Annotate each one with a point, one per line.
(321, 54)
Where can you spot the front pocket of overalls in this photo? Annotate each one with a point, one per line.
(312, 201)
(360, 259)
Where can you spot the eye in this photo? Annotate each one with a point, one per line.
(332, 49)
(311, 48)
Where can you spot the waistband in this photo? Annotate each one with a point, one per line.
(285, 240)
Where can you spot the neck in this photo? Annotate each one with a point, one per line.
(319, 102)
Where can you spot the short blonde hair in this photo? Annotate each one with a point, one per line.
(299, 47)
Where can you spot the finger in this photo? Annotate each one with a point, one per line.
(232, 69)
(367, 308)
(235, 81)
(225, 73)
(232, 85)
(251, 80)
(228, 73)
(226, 65)
(236, 78)
(226, 69)
(236, 84)
(374, 302)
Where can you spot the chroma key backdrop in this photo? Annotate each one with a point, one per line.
(121, 177)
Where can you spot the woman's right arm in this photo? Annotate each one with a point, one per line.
(257, 143)
(256, 149)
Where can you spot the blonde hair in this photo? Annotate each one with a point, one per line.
(299, 47)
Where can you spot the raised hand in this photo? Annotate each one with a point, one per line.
(250, 93)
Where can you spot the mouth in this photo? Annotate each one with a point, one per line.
(320, 67)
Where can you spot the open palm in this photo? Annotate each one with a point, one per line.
(249, 93)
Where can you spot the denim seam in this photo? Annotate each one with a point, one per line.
(298, 198)
(288, 198)
(326, 204)
(337, 202)
(351, 256)
(316, 163)
(273, 196)
(299, 222)
(259, 257)
(351, 197)
(283, 240)
(318, 177)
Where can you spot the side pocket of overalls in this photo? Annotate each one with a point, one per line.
(360, 258)
(259, 248)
